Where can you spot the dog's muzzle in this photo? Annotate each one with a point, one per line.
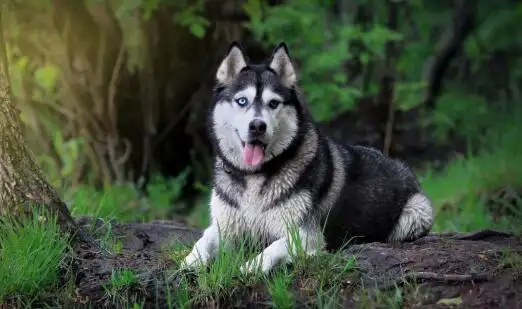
(256, 128)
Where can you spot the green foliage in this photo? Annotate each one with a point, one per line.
(190, 15)
(460, 112)
(124, 202)
(31, 253)
(471, 204)
(62, 170)
(321, 45)
(200, 215)
(46, 77)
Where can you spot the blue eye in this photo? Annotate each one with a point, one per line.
(242, 101)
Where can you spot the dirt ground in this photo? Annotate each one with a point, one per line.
(471, 267)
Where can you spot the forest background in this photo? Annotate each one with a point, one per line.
(114, 95)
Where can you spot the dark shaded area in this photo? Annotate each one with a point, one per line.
(410, 142)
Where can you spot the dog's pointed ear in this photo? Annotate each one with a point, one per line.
(282, 64)
(232, 64)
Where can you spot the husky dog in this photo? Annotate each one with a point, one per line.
(273, 168)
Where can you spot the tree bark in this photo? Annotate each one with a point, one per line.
(22, 183)
(387, 82)
(449, 47)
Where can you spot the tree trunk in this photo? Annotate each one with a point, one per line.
(22, 183)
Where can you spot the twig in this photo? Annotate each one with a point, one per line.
(472, 236)
(426, 275)
(117, 162)
(480, 235)
(389, 128)
(113, 86)
(437, 65)
(163, 134)
(388, 80)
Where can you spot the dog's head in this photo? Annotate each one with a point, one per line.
(256, 113)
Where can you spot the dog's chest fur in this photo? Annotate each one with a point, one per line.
(260, 205)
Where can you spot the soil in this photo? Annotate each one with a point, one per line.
(440, 267)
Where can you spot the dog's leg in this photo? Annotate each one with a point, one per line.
(279, 251)
(204, 249)
(415, 221)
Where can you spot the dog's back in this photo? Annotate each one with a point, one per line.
(381, 200)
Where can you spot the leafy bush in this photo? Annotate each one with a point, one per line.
(320, 42)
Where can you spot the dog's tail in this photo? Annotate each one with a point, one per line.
(415, 221)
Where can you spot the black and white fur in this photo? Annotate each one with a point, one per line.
(332, 193)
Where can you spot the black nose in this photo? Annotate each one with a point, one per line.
(257, 127)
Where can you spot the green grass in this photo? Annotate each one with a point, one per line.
(280, 290)
(182, 297)
(121, 289)
(328, 298)
(376, 299)
(323, 273)
(121, 279)
(461, 191)
(220, 279)
(31, 253)
(512, 259)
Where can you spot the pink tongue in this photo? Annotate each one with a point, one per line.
(252, 154)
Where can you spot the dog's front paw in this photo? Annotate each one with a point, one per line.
(194, 261)
(259, 263)
(250, 267)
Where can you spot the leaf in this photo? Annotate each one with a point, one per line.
(46, 77)
(253, 9)
(149, 7)
(21, 64)
(450, 301)
(198, 30)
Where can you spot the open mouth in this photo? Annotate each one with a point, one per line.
(253, 151)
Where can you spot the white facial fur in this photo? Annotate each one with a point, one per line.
(244, 115)
(282, 125)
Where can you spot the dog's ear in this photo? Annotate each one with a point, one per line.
(231, 65)
(282, 64)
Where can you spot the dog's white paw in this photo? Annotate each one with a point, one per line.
(194, 260)
(250, 267)
(259, 263)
